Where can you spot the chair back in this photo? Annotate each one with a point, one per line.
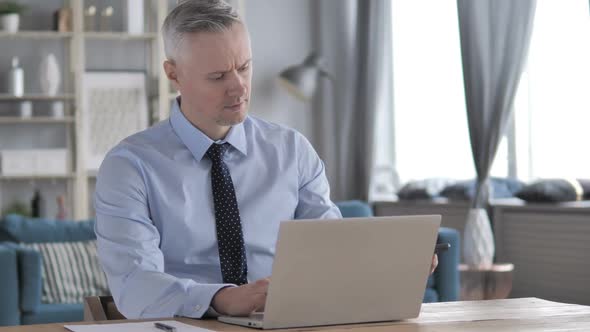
(100, 308)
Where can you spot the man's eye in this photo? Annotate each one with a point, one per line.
(246, 67)
(216, 77)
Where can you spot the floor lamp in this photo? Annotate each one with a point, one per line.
(301, 79)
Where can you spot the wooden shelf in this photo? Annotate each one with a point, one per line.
(36, 97)
(68, 176)
(41, 34)
(73, 60)
(35, 119)
(122, 36)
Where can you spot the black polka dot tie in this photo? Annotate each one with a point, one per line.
(230, 239)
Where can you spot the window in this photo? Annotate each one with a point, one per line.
(552, 106)
(431, 131)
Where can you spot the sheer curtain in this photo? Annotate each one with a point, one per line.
(355, 39)
(430, 122)
(552, 107)
(426, 135)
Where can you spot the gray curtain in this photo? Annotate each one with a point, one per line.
(355, 39)
(495, 36)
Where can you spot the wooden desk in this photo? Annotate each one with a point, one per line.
(526, 314)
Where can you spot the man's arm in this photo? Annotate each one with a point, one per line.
(314, 190)
(128, 248)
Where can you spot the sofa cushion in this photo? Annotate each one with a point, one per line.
(9, 312)
(555, 190)
(30, 272)
(18, 228)
(430, 283)
(430, 295)
(70, 271)
(354, 209)
(55, 313)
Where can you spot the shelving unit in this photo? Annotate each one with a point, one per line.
(36, 35)
(36, 119)
(80, 179)
(35, 97)
(37, 177)
(120, 36)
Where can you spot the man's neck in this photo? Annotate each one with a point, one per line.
(213, 131)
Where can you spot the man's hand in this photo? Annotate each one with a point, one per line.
(434, 263)
(242, 300)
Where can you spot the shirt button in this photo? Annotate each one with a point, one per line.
(197, 307)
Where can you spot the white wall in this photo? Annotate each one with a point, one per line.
(281, 35)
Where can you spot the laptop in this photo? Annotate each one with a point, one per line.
(353, 270)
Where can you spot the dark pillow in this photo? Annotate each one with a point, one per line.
(499, 188)
(555, 190)
(423, 189)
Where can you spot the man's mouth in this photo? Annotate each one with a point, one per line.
(236, 107)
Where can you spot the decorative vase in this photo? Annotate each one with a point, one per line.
(10, 22)
(57, 109)
(135, 15)
(25, 109)
(49, 75)
(478, 239)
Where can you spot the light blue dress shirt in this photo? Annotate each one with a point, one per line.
(155, 221)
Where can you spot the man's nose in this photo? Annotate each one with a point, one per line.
(237, 86)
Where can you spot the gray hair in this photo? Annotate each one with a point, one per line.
(192, 16)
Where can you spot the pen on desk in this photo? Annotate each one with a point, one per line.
(165, 327)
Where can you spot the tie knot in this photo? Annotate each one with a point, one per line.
(216, 151)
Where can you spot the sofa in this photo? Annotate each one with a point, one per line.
(20, 276)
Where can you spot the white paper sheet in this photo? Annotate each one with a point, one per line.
(134, 327)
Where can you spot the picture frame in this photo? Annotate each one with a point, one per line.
(114, 106)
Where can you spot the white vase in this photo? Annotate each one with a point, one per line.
(10, 22)
(49, 75)
(135, 15)
(57, 109)
(478, 239)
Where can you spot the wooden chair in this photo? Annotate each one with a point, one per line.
(100, 308)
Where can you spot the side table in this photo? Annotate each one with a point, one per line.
(486, 283)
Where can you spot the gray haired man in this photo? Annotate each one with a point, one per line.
(188, 210)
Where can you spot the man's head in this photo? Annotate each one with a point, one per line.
(209, 61)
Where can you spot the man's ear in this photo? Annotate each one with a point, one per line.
(172, 73)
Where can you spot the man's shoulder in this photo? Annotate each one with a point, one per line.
(148, 139)
(270, 130)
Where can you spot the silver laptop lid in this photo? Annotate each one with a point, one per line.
(350, 270)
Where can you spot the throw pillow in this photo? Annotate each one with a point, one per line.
(423, 189)
(70, 271)
(555, 190)
(499, 188)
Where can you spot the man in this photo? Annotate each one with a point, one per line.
(188, 210)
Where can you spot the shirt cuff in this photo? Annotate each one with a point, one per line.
(211, 313)
(200, 299)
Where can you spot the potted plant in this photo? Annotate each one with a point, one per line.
(9, 15)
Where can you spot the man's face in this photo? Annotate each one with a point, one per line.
(213, 73)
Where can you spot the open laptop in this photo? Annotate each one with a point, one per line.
(353, 270)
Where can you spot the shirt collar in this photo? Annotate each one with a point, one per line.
(196, 141)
